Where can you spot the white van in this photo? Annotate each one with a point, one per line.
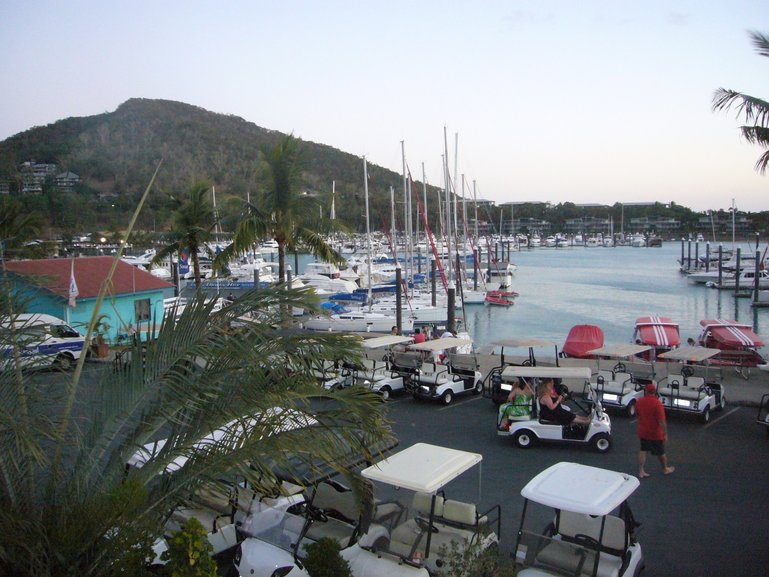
(43, 340)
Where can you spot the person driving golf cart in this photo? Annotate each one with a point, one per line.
(551, 406)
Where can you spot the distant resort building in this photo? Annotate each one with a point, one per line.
(135, 302)
(34, 175)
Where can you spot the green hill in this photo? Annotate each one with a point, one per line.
(117, 152)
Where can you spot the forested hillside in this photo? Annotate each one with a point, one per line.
(117, 152)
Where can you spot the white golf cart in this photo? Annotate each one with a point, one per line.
(421, 537)
(693, 389)
(617, 387)
(763, 413)
(438, 381)
(372, 372)
(528, 429)
(593, 531)
(494, 386)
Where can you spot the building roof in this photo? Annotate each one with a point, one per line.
(90, 271)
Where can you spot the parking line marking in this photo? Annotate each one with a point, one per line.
(714, 421)
(459, 404)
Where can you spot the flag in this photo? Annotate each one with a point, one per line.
(73, 292)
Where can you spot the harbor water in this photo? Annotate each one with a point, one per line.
(608, 287)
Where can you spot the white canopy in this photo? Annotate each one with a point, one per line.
(580, 488)
(524, 342)
(440, 344)
(422, 467)
(385, 341)
(620, 351)
(692, 354)
(513, 372)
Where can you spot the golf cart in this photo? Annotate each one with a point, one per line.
(374, 373)
(494, 386)
(432, 523)
(527, 430)
(593, 530)
(692, 390)
(616, 387)
(436, 381)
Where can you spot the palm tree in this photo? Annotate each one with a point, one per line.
(193, 225)
(69, 506)
(16, 227)
(754, 110)
(282, 212)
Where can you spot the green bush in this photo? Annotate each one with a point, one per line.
(189, 552)
(324, 559)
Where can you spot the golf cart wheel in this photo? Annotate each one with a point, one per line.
(722, 405)
(478, 388)
(447, 397)
(524, 439)
(64, 362)
(630, 409)
(705, 416)
(385, 392)
(601, 442)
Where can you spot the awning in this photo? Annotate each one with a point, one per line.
(732, 334)
(657, 331)
(582, 339)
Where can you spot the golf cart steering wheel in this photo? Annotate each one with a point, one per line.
(687, 371)
(586, 540)
(424, 525)
(619, 368)
(564, 390)
(316, 514)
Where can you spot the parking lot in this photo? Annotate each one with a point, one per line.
(707, 519)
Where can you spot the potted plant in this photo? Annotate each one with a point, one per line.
(99, 346)
(324, 559)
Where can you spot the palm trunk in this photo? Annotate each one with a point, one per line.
(281, 262)
(195, 265)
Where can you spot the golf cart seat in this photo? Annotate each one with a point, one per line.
(674, 388)
(324, 371)
(573, 528)
(338, 502)
(432, 374)
(616, 387)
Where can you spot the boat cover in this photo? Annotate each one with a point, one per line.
(657, 331)
(731, 334)
(581, 339)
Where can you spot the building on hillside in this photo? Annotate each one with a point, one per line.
(135, 303)
(658, 224)
(67, 181)
(33, 175)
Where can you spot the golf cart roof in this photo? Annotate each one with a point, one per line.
(422, 467)
(523, 342)
(513, 372)
(385, 341)
(692, 354)
(440, 344)
(580, 488)
(620, 351)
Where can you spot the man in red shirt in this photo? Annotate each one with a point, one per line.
(652, 430)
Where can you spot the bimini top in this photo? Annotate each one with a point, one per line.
(513, 372)
(657, 331)
(732, 333)
(690, 354)
(422, 467)
(581, 340)
(580, 488)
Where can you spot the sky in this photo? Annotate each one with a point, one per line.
(591, 101)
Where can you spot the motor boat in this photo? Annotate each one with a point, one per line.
(582, 339)
(659, 333)
(737, 342)
(358, 322)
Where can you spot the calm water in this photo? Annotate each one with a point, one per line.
(608, 287)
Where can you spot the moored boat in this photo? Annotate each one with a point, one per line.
(659, 333)
(581, 340)
(737, 342)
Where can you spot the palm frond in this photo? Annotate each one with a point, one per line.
(760, 42)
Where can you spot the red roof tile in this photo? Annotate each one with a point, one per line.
(90, 272)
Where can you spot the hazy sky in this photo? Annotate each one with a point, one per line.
(583, 101)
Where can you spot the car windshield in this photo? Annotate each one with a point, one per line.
(555, 556)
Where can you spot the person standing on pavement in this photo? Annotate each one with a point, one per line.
(652, 430)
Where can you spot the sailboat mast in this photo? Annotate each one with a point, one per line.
(368, 230)
(424, 195)
(475, 212)
(446, 179)
(406, 223)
